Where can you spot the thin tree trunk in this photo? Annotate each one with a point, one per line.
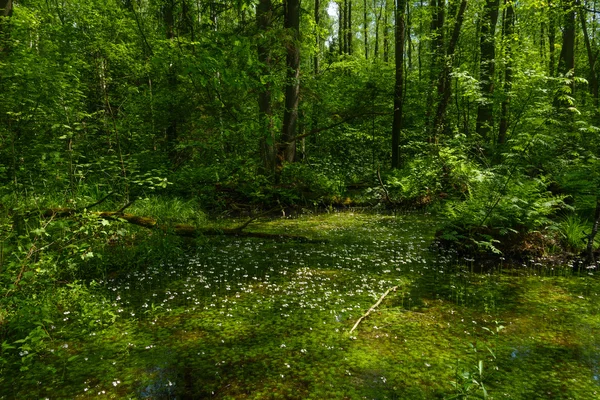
(377, 22)
(551, 38)
(507, 33)
(420, 46)
(171, 131)
(399, 86)
(592, 236)
(317, 37)
(264, 15)
(5, 13)
(409, 44)
(345, 30)
(287, 150)
(365, 30)
(437, 56)
(386, 33)
(487, 68)
(444, 86)
(593, 80)
(349, 32)
(341, 27)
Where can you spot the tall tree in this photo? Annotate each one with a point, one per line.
(551, 37)
(365, 30)
(5, 12)
(508, 26)
(593, 78)
(287, 149)
(399, 86)
(566, 60)
(438, 12)
(487, 67)
(377, 23)
(349, 31)
(317, 16)
(444, 88)
(264, 21)
(171, 130)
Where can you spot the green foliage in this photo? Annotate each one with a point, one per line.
(170, 211)
(506, 206)
(574, 231)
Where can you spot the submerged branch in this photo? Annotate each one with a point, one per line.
(373, 307)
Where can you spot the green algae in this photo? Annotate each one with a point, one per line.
(246, 318)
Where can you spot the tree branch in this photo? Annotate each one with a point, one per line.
(373, 307)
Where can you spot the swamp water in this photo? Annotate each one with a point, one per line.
(247, 318)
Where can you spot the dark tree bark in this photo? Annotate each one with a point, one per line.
(508, 25)
(365, 29)
(377, 23)
(386, 33)
(341, 23)
(171, 131)
(566, 60)
(487, 68)
(399, 86)
(593, 79)
(5, 8)
(287, 150)
(551, 37)
(409, 43)
(5, 12)
(317, 37)
(264, 21)
(437, 55)
(444, 87)
(349, 31)
(592, 235)
(345, 29)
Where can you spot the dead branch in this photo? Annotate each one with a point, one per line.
(126, 206)
(254, 218)
(373, 307)
(102, 200)
(387, 194)
(336, 124)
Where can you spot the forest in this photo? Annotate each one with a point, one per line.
(345, 199)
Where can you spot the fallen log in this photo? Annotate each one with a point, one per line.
(183, 230)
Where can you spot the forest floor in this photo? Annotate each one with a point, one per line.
(249, 318)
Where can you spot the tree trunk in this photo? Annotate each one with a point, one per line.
(287, 150)
(507, 33)
(444, 87)
(399, 86)
(487, 68)
(349, 32)
(593, 80)
(345, 29)
(551, 37)
(566, 60)
(409, 43)
(592, 236)
(377, 23)
(341, 27)
(365, 30)
(171, 130)
(5, 13)
(386, 34)
(317, 37)
(437, 55)
(264, 20)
